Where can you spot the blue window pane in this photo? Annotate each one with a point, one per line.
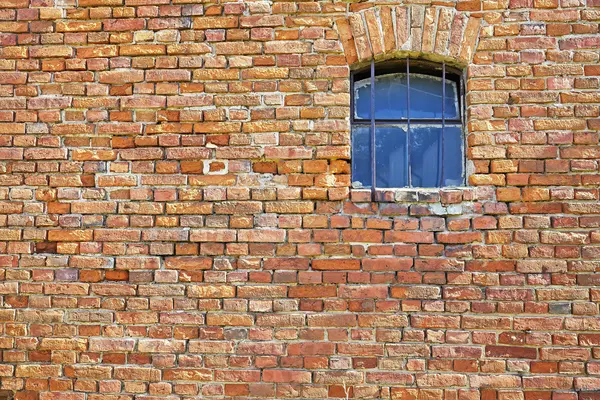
(453, 156)
(426, 97)
(426, 156)
(390, 156)
(391, 97)
(361, 156)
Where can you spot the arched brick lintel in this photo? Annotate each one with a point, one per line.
(430, 32)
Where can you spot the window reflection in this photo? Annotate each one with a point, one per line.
(418, 137)
(391, 97)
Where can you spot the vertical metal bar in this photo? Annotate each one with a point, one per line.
(462, 110)
(407, 147)
(441, 181)
(373, 143)
(352, 144)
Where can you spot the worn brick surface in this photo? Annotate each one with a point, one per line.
(177, 219)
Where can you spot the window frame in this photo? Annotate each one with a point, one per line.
(409, 66)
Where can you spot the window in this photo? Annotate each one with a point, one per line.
(407, 126)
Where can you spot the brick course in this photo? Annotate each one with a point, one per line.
(177, 218)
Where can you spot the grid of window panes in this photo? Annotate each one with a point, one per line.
(416, 128)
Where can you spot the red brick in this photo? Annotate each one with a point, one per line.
(177, 214)
(336, 264)
(287, 376)
(511, 352)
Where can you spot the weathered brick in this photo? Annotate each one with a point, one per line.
(177, 213)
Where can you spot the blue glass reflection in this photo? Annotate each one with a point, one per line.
(425, 156)
(390, 156)
(391, 99)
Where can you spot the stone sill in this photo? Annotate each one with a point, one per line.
(446, 195)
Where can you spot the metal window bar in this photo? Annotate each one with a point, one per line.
(373, 146)
(403, 120)
(374, 121)
(407, 147)
(441, 169)
(462, 111)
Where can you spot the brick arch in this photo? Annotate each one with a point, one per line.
(433, 32)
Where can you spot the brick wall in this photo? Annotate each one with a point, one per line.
(177, 218)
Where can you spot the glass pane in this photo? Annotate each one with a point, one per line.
(426, 156)
(361, 156)
(390, 156)
(426, 97)
(453, 156)
(391, 99)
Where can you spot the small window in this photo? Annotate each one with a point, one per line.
(407, 126)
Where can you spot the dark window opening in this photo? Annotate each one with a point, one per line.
(407, 125)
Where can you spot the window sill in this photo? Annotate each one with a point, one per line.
(446, 195)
